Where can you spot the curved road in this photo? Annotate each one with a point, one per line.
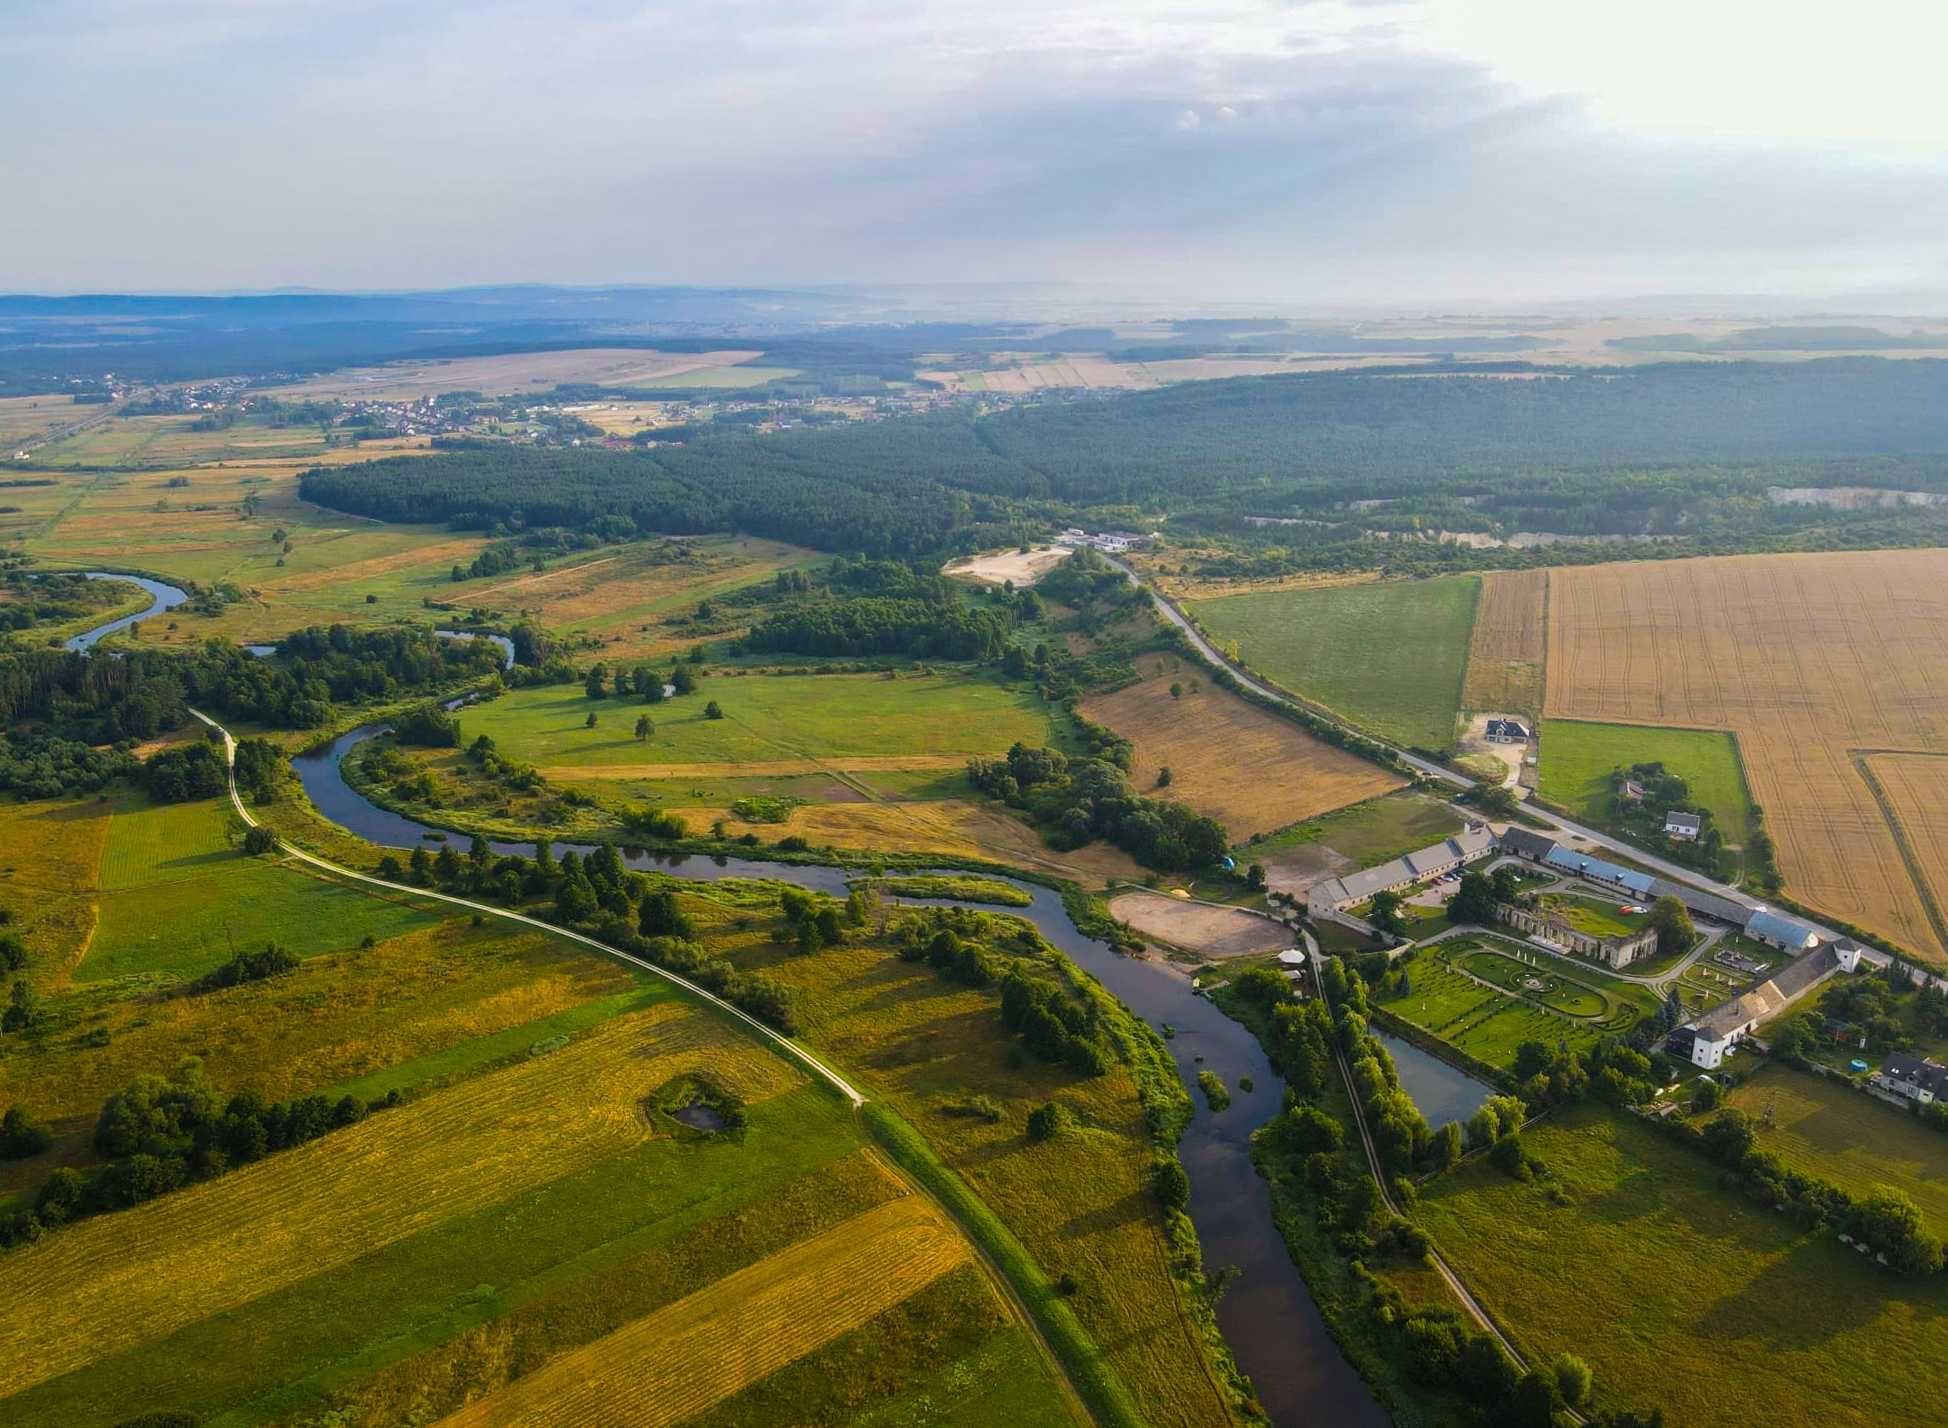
(1168, 608)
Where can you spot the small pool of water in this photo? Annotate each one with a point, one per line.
(700, 1117)
(1443, 1092)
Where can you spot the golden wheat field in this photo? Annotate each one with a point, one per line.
(1914, 794)
(1250, 770)
(117, 1281)
(1807, 659)
(673, 1364)
(1506, 649)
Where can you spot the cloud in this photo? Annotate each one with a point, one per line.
(1329, 150)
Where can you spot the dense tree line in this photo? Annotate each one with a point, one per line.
(1076, 802)
(147, 692)
(42, 766)
(1680, 454)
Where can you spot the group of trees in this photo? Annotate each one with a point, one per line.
(273, 961)
(1642, 794)
(156, 1135)
(597, 894)
(147, 692)
(1077, 801)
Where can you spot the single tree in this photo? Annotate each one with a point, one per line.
(713, 710)
(1672, 919)
(644, 728)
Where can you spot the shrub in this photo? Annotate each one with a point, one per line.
(1170, 1185)
(1044, 1122)
(20, 1137)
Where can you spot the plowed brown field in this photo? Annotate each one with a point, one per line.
(673, 1364)
(1505, 652)
(1806, 658)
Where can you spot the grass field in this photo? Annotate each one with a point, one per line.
(800, 723)
(178, 898)
(1578, 757)
(50, 851)
(638, 600)
(1831, 1130)
(1808, 659)
(1506, 650)
(1387, 655)
(1682, 1295)
(1579, 1005)
(1249, 769)
(517, 373)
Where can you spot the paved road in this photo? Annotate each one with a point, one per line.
(1575, 831)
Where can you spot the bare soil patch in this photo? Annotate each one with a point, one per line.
(1021, 567)
(1200, 927)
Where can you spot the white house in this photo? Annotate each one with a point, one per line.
(1684, 827)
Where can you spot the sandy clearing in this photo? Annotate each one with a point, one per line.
(1021, 567)
(531, 372)
(1200, 927)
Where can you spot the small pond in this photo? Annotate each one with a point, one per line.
(1443, 1092)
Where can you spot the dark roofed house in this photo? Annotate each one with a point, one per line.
(1526, 844)
(1920, 1079)
(1507, 731)
(1682, 826)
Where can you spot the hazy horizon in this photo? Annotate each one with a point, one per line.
(1393, 154)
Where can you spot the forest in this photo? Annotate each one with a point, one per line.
(1676, 458)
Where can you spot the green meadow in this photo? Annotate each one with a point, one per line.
(1683, 1295)
(178, 897)
(944, 717)
(1389, 656)
(1578, 757)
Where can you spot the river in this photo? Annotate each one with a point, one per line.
(162, 597)
(1267, 1315)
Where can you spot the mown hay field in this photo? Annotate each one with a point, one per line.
(1079, 1203)
(1247, 768)
(120, 1281)
(1199, 926)
(673, 1364)
(1505, 652)
(1807, 659)
(638, 600)
(1685, 1296)
(1388, 655)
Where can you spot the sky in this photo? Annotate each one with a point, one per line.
(1379, 152)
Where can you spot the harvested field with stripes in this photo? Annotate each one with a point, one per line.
(1815, 662)
(1506, 650)
(119, 1281)
(677, 1362)
(1249, 769)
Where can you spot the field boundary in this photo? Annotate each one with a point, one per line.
(1863, 765)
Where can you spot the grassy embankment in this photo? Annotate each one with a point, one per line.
(1389, 656)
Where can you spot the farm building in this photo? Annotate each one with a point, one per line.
(1638, 884)
(1705, 1041)
(1920, 1079)
(1417, 867)
(1780, 932)
(1524, 844)
(1507, 731)
(1682, 826)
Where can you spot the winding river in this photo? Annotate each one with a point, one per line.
(1267, 1315)
(162, 597)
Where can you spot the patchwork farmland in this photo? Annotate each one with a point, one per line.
(1814, 662)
